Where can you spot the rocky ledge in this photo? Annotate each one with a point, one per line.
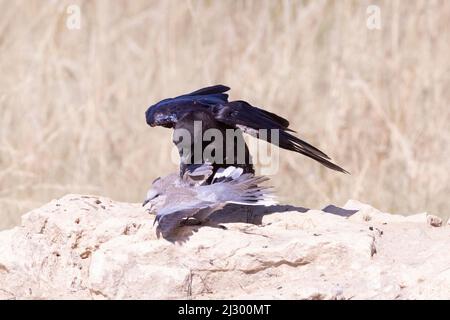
(91, 247)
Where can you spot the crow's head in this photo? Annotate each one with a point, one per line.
(167, 112)
(161, 115)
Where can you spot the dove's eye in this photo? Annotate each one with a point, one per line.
(156, 180)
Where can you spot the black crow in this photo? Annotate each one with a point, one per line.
(211, 106)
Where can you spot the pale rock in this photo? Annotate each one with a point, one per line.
(434, 221)
(88, 247)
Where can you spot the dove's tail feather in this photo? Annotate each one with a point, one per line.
(246, 190)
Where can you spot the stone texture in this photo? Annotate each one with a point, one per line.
(91, 247)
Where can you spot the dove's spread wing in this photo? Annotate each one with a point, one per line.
(168, 218)
(243, 189)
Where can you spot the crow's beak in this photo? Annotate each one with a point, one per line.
(145, 202)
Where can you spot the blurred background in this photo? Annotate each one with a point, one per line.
(72, 102)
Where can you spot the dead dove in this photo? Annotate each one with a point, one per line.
(190, 196)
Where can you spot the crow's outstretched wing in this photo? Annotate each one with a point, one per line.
(216, 91)
(240, 114)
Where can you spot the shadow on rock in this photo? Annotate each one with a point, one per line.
(235, 213)
(231, 213)
(339, 211)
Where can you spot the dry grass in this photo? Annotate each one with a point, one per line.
(72, 102)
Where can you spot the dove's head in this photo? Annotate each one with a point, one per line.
(160, 186)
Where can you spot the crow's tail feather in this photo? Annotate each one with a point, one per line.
(290, 142)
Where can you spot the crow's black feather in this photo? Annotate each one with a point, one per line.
(210, 90)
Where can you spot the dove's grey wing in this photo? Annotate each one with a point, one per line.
(245, 189)
(168, 218)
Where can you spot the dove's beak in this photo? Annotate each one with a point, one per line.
(151, 194)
